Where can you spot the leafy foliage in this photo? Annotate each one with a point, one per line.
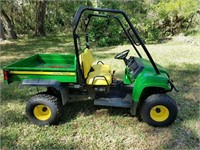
(153, 19)
(174, 15)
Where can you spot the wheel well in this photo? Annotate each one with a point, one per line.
(146, 93)
(53, 91)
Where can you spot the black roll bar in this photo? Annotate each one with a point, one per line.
(77, 20)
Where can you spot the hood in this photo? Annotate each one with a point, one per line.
(147, 64)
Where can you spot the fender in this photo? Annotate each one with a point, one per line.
(48, 83)
(145, 80)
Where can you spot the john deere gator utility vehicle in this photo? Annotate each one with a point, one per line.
(75, 77)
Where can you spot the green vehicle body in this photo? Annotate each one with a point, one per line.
(73, 77)
(62, 68)
(148, 78)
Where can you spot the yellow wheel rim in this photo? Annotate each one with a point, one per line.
(159, 113)
(42, 112)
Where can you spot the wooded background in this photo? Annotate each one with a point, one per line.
(154, 19)
(45, 27)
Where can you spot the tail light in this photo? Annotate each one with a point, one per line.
(5, 74)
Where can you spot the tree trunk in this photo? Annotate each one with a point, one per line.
(2, 33)
(9, 26)
(40, 18)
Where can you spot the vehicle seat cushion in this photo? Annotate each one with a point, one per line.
(97, 67)
(86, 61)
(98, 78)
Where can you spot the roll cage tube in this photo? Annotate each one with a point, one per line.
(75, 36)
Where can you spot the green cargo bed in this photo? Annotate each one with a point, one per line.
(43, 66)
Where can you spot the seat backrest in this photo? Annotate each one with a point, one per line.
(89, 55)
(86, 61)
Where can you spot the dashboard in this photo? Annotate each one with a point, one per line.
(134, 66)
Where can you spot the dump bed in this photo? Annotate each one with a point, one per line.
(58, 67)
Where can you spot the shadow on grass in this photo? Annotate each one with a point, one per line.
(28, 45)
(183, 136)
(12, 117)
(86, 108)
(164, 40)
(10, 140)
(22, 48)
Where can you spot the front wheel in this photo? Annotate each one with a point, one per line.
(159, 110)
(43, 109)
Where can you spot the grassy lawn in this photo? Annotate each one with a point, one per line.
(84, 126)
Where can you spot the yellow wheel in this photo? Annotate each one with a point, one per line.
(159, 110)
(43, 109)
(159, 113)
(42, 112)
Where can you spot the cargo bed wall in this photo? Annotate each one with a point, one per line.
(44, 66)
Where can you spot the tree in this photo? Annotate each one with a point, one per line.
(40, 18)
(9, 26)
(2, 33)
(174, 15)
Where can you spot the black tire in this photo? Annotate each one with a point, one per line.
(159, 110)
(43, 109)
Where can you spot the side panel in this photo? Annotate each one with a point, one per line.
(146, 79)
(128, 77)
(69, 77)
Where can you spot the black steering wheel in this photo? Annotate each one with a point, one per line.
(122, 55)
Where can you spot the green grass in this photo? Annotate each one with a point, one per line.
(84, 126)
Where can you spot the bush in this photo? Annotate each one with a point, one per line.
(173, 16)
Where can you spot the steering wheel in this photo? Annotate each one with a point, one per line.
(122, 55)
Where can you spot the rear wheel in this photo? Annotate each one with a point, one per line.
(43, 109)
(159, 110)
